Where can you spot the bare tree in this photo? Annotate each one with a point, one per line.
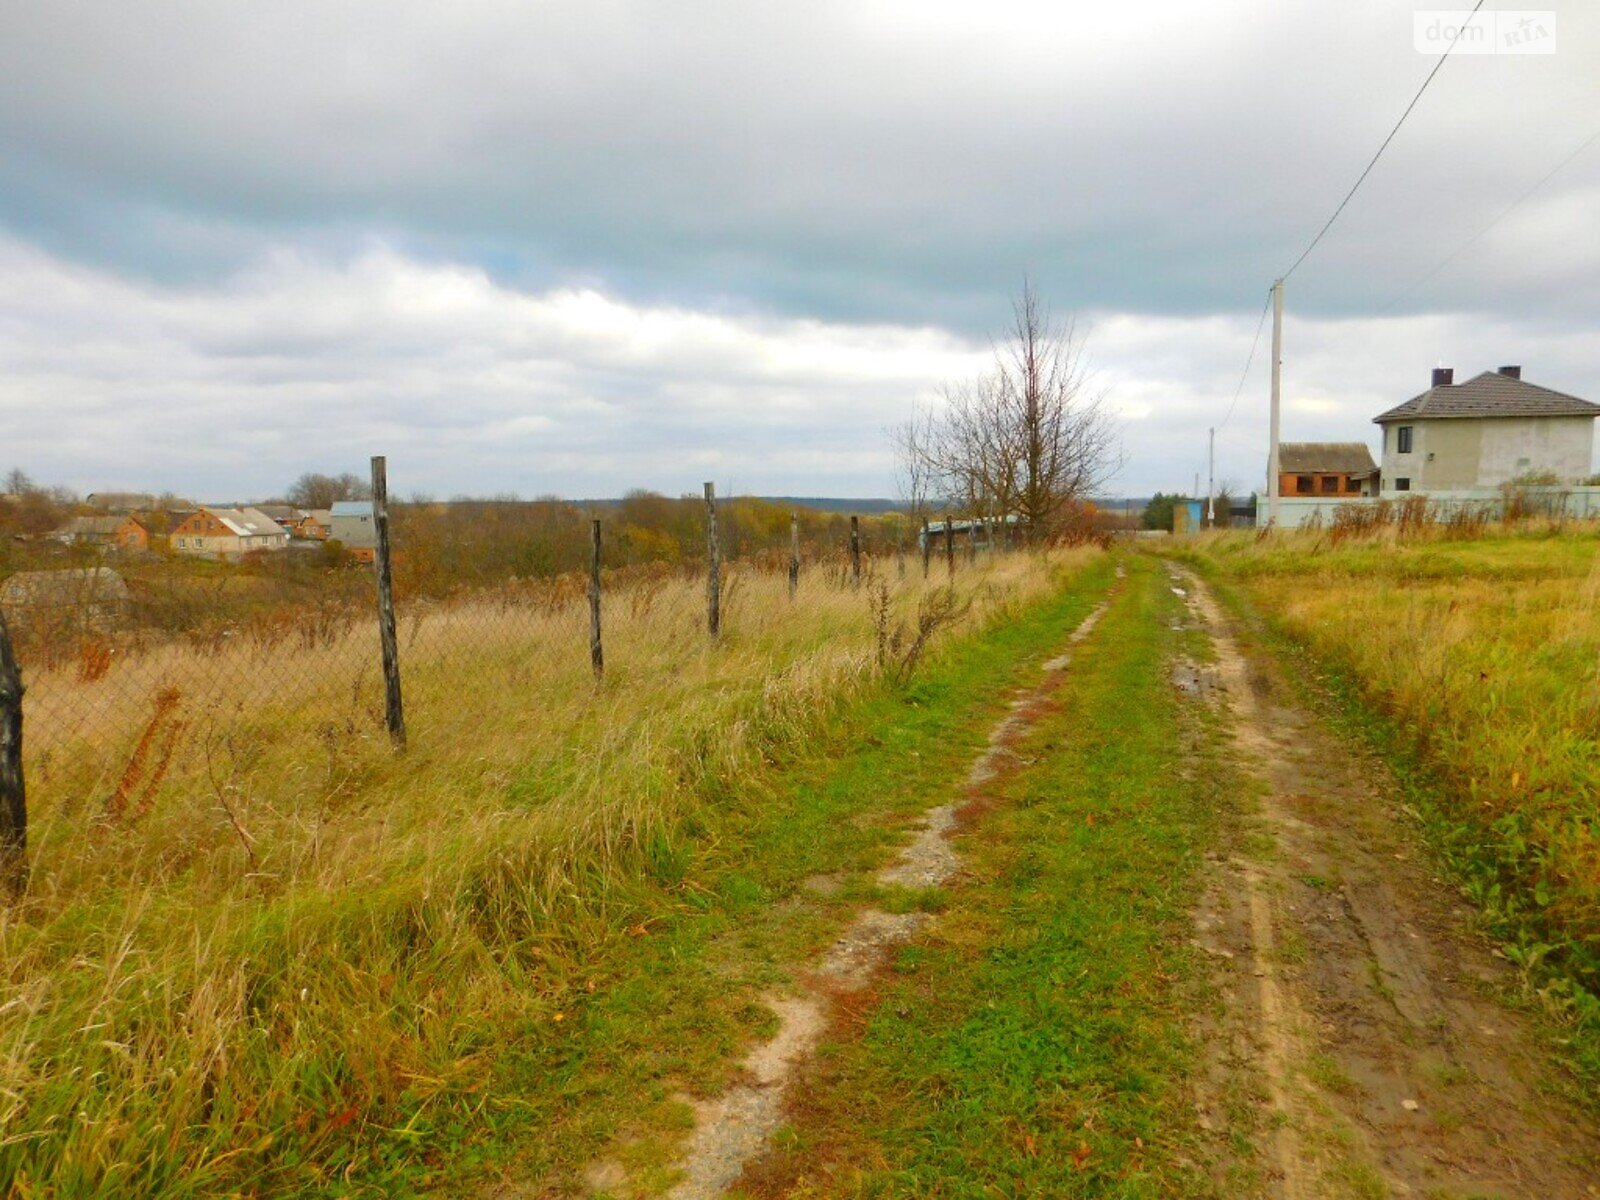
(1030, 438)
(914, 471)
(321, 491)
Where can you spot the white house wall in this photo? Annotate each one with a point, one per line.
(1513, 447)
(1460, 453)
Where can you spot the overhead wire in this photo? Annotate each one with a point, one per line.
(1504, 213)
(1328, 224)
(1249, 359)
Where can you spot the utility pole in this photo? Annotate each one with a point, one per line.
(1277, 380)
(1211, 476)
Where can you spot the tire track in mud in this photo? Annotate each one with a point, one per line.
(733, 1130)
(1355, 1001)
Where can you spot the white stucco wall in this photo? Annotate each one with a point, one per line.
(1561, 445)
(1464, 453)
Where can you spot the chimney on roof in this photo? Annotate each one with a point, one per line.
(1511, 372)
(1443, 376)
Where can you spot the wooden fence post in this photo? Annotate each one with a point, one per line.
(927, 548)
(13, 790)
(899, 550)
(949, 546)
(596, 656)
(972, 541)
(393, 711)
(855, 551)
(714, 581)
(794, 555)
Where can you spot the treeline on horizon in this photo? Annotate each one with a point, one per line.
(441, 546)
(465, 542)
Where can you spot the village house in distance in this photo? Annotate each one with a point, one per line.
(1341, 469)
(225, 533)
(1493, 429)
(351, 525)
(1460, 445)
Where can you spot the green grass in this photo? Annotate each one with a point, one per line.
(504, 984)
(1036, 1040)
(687, 996)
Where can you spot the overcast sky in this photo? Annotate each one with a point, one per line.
(577, 248)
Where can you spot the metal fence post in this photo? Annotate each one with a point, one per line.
(13, 790)
(927, 548)
(714, 581)
(393, 710)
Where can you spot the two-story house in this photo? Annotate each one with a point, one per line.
(351, 524)
(1493, 429)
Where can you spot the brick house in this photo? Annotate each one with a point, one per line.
(225, 533)
(315, 525)
(125, 532)
(1331, 470)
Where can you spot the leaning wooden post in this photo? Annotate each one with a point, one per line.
(794, 555)
(13, 791)
(927, 548)
(393, 711)
(949, 547)
(855, 551)
(596, 656)
(714, 581)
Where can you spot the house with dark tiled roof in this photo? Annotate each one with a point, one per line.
(1332, 470)
(1493, 429)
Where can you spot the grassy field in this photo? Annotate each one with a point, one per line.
(303, 964)
(1478, 658)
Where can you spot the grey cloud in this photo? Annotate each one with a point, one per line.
(853, 160)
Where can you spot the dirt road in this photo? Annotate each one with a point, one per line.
(1356, 1001)
(1196, 937)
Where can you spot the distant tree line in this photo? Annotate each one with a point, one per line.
(469, 542)
(441, 547)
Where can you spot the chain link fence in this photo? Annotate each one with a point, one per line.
(257, 680)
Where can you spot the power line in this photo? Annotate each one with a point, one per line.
(1363, 176)
(1504, 213)
(1245, 374)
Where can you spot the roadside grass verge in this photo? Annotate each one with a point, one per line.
(457, 966)
(1473, 666)
(1036, 1041)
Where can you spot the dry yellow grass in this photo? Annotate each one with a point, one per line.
(302, 916)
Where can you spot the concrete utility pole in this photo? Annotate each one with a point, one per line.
(1211, 477)
(1277, 380)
